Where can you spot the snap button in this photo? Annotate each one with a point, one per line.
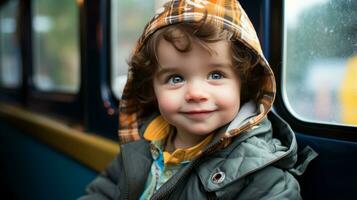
(218, 177)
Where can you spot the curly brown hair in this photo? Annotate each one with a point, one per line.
(144, 63)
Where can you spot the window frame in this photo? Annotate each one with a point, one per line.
(94, 108)
(96, 82)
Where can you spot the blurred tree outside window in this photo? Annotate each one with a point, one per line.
(128, 19)
(10, 55)
(320, 60)
(56, 45)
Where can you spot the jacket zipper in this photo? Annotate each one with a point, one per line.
(162, 194)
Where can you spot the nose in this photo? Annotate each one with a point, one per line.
(196, 92)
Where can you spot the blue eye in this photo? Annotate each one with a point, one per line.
(215, 75)
(175, 79)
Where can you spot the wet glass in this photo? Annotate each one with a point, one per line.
(128, 20)
(10, 54)
(320, 60)
(55, 39)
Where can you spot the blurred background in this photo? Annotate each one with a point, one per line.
(320, 60)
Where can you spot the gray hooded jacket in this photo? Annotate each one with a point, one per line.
(258, 164)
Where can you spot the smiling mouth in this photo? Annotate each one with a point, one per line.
(198, 112)
(198, 115)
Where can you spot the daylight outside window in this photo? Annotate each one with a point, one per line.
(10, 55)
(320, 60)
(56, 45)
(128, 19)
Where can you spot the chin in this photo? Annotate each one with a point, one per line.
(200, 131)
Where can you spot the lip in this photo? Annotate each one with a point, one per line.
(198, 114)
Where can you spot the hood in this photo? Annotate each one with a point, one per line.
(226, 14)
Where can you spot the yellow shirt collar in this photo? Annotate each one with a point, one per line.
(159, 129)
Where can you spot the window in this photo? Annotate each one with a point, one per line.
(10, 55)
(128, 20)
(56, 45)
(320, 60)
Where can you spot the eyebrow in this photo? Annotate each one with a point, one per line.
(171, 69)
(167, 70)
(220, 65)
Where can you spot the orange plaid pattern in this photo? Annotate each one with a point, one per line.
(226, 14)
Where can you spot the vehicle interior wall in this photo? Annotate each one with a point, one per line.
(32, 170)
(332, 175)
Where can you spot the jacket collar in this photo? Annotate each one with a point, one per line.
(249, 152)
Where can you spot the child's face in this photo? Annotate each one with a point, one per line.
(196, 92)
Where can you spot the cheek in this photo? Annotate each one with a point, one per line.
(167, 102)
(229, 102)
(229, 97)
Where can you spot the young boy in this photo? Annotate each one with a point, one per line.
(194, 111)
